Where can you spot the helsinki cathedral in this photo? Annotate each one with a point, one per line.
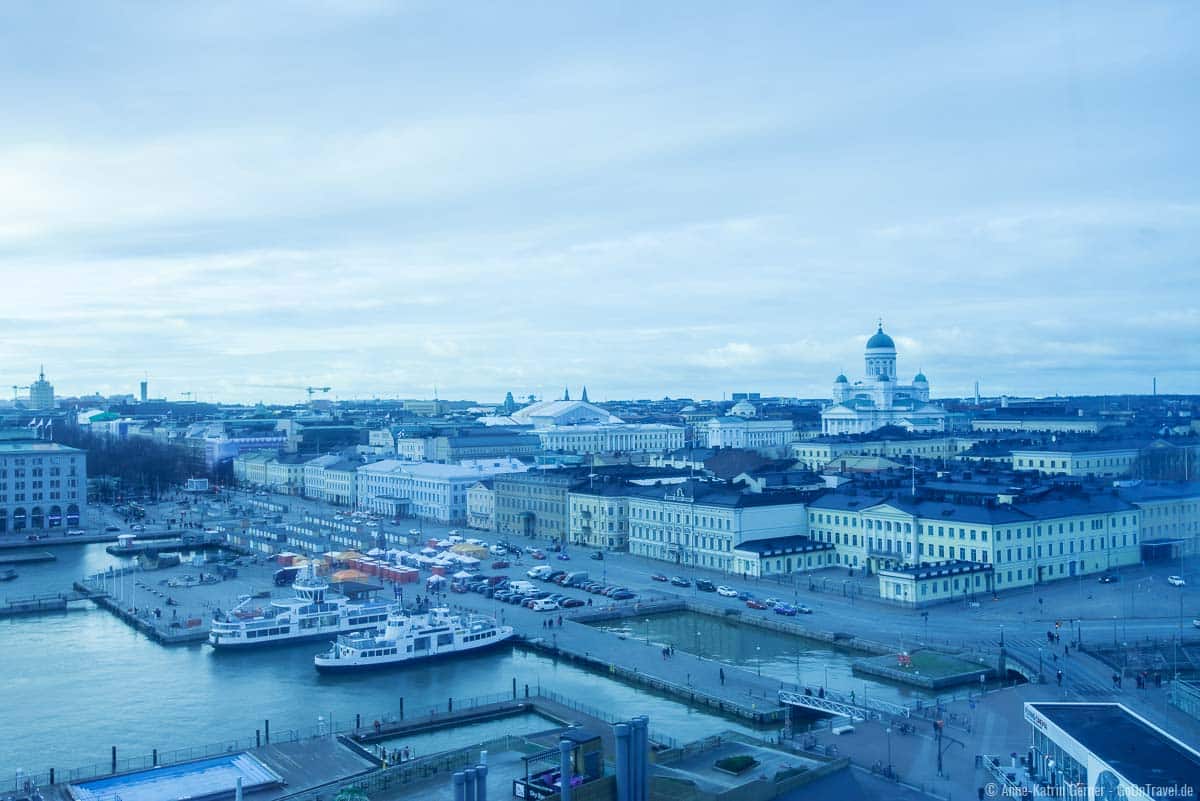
(877, 400)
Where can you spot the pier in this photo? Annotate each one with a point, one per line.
(169, 631)
(26, 558)
(38, 604)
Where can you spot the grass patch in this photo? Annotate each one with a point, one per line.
(736, 765)
(932, 663)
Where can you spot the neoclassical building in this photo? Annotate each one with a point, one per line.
(877, 399)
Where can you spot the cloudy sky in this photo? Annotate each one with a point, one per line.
(682, 199)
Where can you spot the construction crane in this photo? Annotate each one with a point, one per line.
(310, 390)
(16, 389)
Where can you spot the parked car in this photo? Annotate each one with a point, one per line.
(1109, 578)
(785, 609)
(745, 596)
(680, 581)
(658, 577)
(1176, 581)
(538, 555)
(597, 555)
(112, 528)
(544, 605)
(500, 564)
(754, 603)
(623, 595)
(772, 602)
(137, 527)
(570, 603)
(563, 556)
(804, 610)
(726, 592)
(704, 585)
(554, 575)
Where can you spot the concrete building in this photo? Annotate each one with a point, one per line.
(481, 506)
(744, 431)
(599, 515)
(341, 482)
(1106, 752)
(251, 468)
(314, 475)
(1041, 425)
(699, 524)
(822, 453)
(285, 474)
(536, 503)
(1078, 459)
(545, 414)
(425, 489)
(877, 400)
(1030, 542)
(1170, 517)
(781, 555)
(43, 486)
(41, 393)
(611, 438)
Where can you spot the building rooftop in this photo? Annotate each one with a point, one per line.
(1142, 753)
(17, 447)
(773, 546)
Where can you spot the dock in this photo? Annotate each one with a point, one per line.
(39, 604)
(26, 558)
(168, 631)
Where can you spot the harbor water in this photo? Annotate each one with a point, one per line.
(787, 658)
(78, 683)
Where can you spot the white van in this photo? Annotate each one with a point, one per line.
(522, 587)
(544, 605)
(539, 571)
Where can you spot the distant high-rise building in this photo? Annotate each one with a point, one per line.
(144, 390)
(41, 393)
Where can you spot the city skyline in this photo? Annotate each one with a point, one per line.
(388, 200)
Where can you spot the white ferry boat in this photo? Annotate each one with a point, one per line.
(409, 638)
(313, 613)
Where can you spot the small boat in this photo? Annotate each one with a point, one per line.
(412, 638)
(8, 575)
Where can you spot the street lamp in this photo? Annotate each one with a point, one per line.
(925, 617)
(758, 658)
(889, 739)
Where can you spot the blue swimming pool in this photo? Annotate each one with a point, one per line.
(205, 779)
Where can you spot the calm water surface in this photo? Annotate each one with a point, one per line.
(770, 653)
(77, 683)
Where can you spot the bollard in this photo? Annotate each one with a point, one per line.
(154, 758)
(402, 707)
(460, 790)
(357, 721)
(481, 772)
(449, 704)
(514, 688)
(526, 690)
(258, 738)
(52, 776)
(469, 784)
(267, 731)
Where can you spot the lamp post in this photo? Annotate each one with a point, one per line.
(758, 658)
(647, 630)
(925, 618)
(889, 739)
(697, 643)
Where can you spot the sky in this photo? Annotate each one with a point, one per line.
(680, 199)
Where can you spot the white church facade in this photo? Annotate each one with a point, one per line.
(878, 399)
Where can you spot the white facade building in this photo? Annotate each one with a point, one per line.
(701, 524)
(481, 506)
(742, 432)
(433, 491)
(43, 485)
(877, 400)
(314, 476)
(621, 437)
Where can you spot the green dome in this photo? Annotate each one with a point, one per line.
(880, 340)
(920, 379)
(841, 379)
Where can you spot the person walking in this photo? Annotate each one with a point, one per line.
(721, 673)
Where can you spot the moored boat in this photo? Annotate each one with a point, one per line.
(410, 638)
(313, 613)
